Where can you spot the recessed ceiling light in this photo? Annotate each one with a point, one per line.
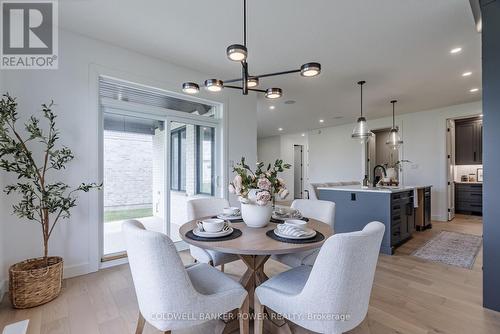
(322, 121)
(280, 129)
(473, 90)
(303, 135)
(455, 50)
(272, 107)
(466, 74)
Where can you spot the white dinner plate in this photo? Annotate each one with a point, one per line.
(203, 234)
(223, 216)
(286, 236)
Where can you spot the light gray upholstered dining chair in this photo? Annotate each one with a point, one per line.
(333, 295)
(205, 207)
(324, 211)
(170, 296)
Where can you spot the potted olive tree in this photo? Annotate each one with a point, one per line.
(42, 199)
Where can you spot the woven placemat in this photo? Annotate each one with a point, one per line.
(236, 233)
(318, 237)
(280, 221)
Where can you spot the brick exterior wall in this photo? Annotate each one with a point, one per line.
(128, 169)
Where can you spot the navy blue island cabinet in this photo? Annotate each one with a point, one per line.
(356, 208)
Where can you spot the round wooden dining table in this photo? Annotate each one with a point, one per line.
(254, 248)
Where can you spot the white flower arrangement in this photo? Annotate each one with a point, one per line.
(265, 181)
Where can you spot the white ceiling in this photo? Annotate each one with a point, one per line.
(401, 48)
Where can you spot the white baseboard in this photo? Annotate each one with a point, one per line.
(113, 263)
(77, 270)
(69, 271)
(4, 288)
(440, 218)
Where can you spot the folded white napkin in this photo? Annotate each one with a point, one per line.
(291, 230)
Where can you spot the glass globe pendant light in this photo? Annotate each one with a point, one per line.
(361, 130)
(394, 140)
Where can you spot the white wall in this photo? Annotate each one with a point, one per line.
(73, 88)
(3, 208)
(334, 156)
(271, 148)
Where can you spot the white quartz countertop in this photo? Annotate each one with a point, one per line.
(372, 189)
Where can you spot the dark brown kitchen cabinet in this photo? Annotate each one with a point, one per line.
(469, 141)
(469, 198)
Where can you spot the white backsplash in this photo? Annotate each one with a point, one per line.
(465, 170)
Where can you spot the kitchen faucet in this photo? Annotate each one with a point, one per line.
(376, 179)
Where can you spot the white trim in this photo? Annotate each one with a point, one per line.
(113, 263)
(78, 270)
(439, 218)
(163, 114)
(180, 246)
(4, 288)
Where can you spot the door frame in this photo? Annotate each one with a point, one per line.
(450, 167)
(160, 114)
(295, 146)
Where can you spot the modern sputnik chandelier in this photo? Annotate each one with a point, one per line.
(247, 82)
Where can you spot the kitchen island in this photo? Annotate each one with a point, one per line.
(356, 206)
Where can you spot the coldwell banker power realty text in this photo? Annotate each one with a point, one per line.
(29, 35)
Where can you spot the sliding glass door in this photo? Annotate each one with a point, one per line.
(133, 159)
(178, 158)
(192, 168)
(158, 152)
(205, 155)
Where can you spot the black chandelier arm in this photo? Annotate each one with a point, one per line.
(232, 87)
(233, 80)
(257, 90)
(263, 75)
(241, 88)
(275, 74)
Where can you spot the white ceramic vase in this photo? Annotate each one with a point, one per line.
(256, 215)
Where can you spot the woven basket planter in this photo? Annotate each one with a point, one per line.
(35, 282)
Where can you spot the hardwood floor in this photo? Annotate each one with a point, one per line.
(409, 295)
